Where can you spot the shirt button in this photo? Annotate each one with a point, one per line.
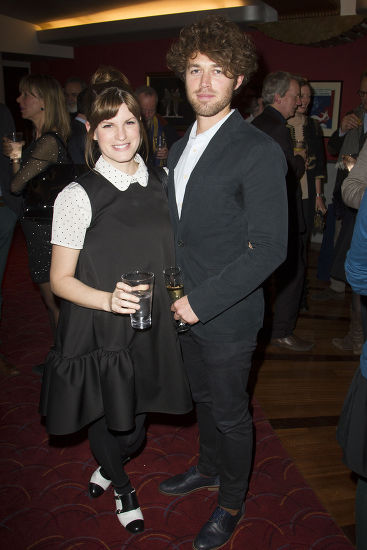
(180, 243)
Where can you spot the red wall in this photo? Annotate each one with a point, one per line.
(136, 59)
(345, 63)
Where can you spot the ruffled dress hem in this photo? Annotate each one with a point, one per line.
(99, 383)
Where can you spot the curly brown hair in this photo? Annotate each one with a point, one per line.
(219, 39)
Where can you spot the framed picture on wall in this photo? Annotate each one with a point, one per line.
(326, 105)
(172, 102)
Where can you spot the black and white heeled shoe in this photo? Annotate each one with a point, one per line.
(98, 484)
(128, 512)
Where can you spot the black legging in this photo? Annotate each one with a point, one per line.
(111, 449)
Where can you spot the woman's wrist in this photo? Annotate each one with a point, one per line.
(106, 302)
(15, 164)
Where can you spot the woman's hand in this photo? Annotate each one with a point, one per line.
(320, 205)
(302, 152)
(12, 149)
(122, 301)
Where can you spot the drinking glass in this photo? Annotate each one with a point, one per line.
(159, 144)
(15, 136)
(173, 278)
(15, 141)
(143, 281)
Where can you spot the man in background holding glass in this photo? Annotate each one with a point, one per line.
(281, 97)
(228, 205)
(161, 135)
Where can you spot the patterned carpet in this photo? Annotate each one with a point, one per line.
(43, 499)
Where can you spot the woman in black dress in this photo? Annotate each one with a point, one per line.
(102, 373)
(39, 171)
(307, 132)
(306, 129)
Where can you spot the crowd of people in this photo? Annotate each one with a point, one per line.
(107, 186)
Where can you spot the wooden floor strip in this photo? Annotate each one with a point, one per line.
(292, 357)
(306, 422)
(324, 317)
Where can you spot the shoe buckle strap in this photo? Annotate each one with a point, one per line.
(128, 502)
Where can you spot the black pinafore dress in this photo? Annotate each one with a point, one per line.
(100, 365)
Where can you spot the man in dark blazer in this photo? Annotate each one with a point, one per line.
(281, 96)
(227, 198)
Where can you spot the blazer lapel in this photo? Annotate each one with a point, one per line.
(209, 156)
(173, 159)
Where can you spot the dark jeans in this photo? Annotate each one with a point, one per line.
(111, 448)
(8, 219)
(289, 281)
(325, 260)
(218, 374)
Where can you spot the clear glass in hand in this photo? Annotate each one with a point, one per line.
(12, 145)
(160, 144)
(142, 283)
(173, 279)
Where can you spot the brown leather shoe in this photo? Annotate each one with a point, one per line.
(292, 343)
(6, 368)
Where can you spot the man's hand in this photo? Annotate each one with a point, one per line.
(302, 153)
(161, 153)
(183, 311)
(349, 122)
(348, 162)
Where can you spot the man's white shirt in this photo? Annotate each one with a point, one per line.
(195, 147)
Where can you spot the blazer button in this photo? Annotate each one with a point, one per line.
(180, 243)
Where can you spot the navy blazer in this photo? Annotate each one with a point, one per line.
(236, 195)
